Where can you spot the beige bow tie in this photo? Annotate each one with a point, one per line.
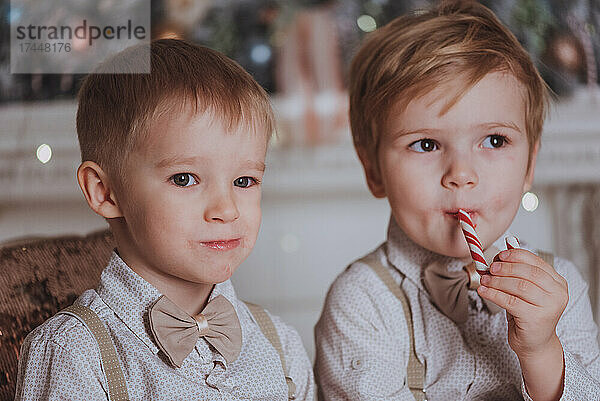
(449, 289)
(176, 332)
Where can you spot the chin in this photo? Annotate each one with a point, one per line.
(224, 273)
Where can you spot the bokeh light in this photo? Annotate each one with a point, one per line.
(44, 153)
(530, 201)
(366, 23)
(260, 54)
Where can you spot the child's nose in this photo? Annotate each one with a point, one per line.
(221, 208)
(460, 173)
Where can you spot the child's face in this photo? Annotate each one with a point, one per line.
(192, 200)
(474, 157)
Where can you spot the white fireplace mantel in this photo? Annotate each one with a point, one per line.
(570, 153)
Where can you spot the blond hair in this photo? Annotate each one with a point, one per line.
(116, 109)
(416, 53)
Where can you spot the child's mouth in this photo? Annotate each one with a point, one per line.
(472, 213)
(222, 245)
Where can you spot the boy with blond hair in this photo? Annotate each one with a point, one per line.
(446, 111)
(174, 161)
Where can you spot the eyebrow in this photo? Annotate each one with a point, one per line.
(494, 124)
(253, 165)
(424, 131)
(191, 161)
(488, 125)
(177, 161)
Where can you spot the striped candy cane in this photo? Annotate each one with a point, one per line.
(512, 242)
(468, 229)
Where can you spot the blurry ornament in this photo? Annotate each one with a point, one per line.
(563, 62)
(565, 51)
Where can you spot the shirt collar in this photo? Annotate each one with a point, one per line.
(410, 258)
(129, 296)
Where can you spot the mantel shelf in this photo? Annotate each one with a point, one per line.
(570, 154)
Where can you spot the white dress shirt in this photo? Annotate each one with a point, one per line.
(362, 337)
(60, 360)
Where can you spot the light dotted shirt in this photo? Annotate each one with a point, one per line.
(60, 359)
(363, 345)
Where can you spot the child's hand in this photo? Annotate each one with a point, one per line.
(534, 296)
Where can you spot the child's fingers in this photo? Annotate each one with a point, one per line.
(523, 289)
(534, 274)
(511, 303)
(526, 257)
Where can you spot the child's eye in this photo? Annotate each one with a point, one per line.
(494, 141)
(245, 182)
(183, 179)
(424, 145)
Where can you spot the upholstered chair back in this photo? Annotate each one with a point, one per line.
(39, 277)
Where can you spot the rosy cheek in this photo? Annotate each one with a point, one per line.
(498, 203)
(504, 203)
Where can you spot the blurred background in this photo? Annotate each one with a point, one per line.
(318, 215)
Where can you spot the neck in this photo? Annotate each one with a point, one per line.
(189, 296)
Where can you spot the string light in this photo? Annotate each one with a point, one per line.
(366, 23)
(260, 54)
(530, 201)
(44, 153)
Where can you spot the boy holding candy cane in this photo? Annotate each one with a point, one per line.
(446, 112)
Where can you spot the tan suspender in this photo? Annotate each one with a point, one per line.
(415, 371)
(117, 390)
(268, 329)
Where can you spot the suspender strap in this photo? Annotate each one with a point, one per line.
(117, 390)
(415, 371)
(268, 329)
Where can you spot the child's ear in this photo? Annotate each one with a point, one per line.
(372, 173)
(98, 192)
(531, 170)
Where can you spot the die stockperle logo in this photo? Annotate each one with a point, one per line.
(83, 31)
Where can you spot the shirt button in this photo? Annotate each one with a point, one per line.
(357, 364)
